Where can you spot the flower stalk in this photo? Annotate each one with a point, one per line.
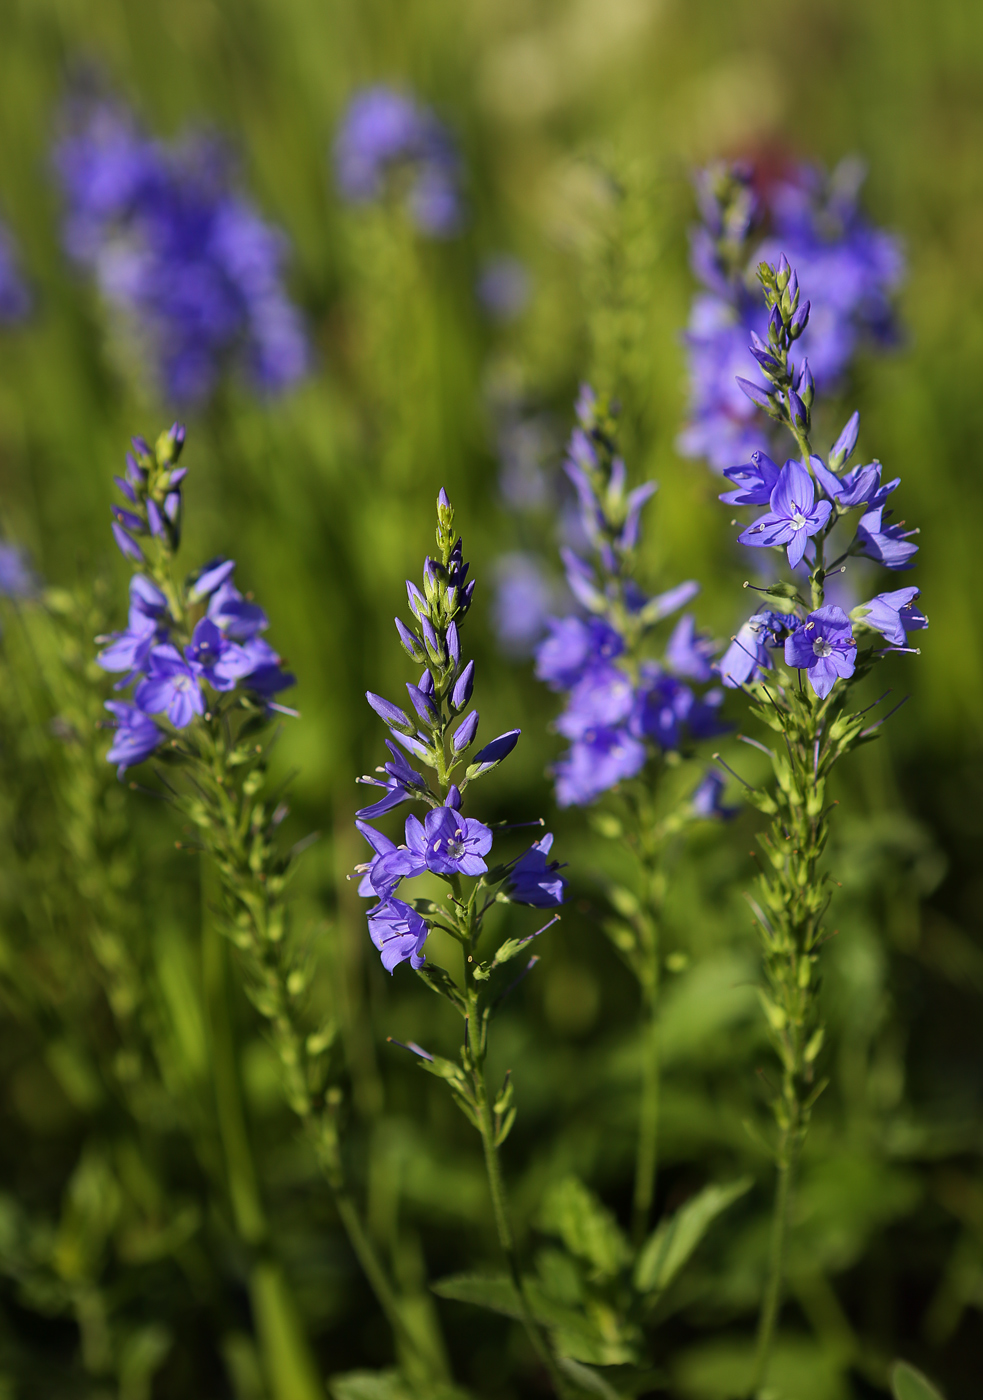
(807, 705)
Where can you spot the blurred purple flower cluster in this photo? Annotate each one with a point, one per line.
(187, 261)
(387, 141)
(851, 268)
(620, 705)
(15, 298)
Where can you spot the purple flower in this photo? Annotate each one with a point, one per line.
(455, 845)
(602, 699)
(211, 576)
(172, 247)
(369, 871)
(503, 288)
(266, 675)
(402, 782)
(755, 481)
(571, 647)
(825, 647)
(659, 709)
(215, 659)
(445, 843)
(595, 763)
(236, 616)
(746, 659)
(524, 596)
(171, 687)
(795, 514)
(888, 544)
(535, 880)
(858, 487)
(17, 579)
(383, 132)
(129, 651)
(707, 797)
(893, 614)
(398, 932)
(15, 299)
(136, 736)
(687, 652)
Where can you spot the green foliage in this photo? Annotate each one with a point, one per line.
(909, 1384)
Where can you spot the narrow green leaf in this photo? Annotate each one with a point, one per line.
(909, 1384)
(671, 1244)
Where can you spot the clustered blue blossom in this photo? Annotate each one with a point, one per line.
(183, 646)
(195, 272)
(814, 507)
(17, 578)
(620, 705)
(437, 730)
(15, 297)
(387, 142)
(851, 268)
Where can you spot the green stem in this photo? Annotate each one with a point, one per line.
(771, 1302)
(289, 1365)
(646, 1160)
(496, 1187)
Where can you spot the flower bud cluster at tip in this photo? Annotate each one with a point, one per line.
(437, 734)
(622, 706)
(807, 501)
(851, 268)
(190, 648)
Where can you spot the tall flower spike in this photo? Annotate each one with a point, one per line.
(455, 849)
(616, 702)
(812, 503)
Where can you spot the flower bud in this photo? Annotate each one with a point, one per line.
(466, 732)
(800, 414)
(386, 710)
(422, 703)
(155, 520)
(411, 643)
(463, 687)
(453, 643)
(845, 443)
(432, 642)
(782, 273)
(756, 393)
(799, 321)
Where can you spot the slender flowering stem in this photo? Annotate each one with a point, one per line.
(807, 500)
(437, 730)
(628, 716)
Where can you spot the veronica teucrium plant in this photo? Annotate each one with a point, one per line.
(819, 517)
(203, 704)
(437, 730)
(632, 712)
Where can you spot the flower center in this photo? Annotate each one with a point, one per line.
(454, 846)
(182, 683)
(798, 520)
(821, 647)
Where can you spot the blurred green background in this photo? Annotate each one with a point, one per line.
(578, 123)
